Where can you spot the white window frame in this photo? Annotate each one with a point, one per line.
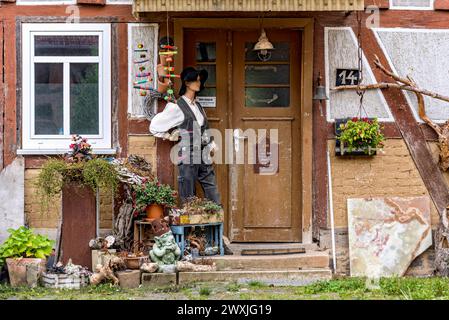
(51, 144)
(431, 7)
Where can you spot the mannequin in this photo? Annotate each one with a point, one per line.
(181, 120)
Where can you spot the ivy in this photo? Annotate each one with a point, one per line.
(55, 173)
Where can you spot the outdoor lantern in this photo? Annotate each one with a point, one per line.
(320, 91)
(263, 47)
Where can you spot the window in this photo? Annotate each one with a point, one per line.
(411, 4)
(66, 86)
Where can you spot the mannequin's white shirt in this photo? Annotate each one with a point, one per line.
(172, 116)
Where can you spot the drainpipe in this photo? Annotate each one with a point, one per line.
(331, 210)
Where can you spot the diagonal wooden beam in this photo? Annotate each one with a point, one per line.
(408, 126)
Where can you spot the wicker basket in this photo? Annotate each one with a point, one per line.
(65, 281)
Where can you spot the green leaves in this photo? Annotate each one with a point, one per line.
(361, 133)
(56, 172)
(22, 242)
(154, 192)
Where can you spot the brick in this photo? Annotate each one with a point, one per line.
(441, 5)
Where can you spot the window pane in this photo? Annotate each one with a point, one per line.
(48, 99)
(66, 45)
(205, 52)
(84, 104)
(211, 79)
(267, 97)
(267, 74)
(281, 51)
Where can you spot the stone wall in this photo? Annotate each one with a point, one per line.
(390, 173)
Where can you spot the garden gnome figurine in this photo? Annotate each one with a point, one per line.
(187, 119)
(165, 251)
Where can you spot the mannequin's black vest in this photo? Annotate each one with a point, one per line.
(186, 128)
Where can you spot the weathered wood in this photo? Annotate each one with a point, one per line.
(388, 85)
(79, 223)
(2, 95)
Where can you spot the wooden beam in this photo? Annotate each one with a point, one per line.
(2, 95)
(410, 130)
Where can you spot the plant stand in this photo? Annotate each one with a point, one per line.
(79, 224)
(214, 232)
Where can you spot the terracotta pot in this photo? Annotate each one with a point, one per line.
(155, 211)
(21, 269)
(135, 262)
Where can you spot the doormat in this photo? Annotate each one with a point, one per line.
(260, 252)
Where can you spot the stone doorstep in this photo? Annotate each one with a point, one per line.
(269, 277)
(304, 261)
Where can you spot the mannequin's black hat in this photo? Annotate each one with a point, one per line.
(191, 74)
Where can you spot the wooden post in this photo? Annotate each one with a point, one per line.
(79, 223)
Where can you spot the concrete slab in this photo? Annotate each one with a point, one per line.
(129, 278)
(158, 279)
(272, 277)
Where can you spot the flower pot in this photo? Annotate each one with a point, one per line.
(135, 262)
(25, 271)
(155, 211)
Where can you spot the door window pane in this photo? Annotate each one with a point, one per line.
(281, 51)
(208, 92)
(84, 104)
(48, 97)
(205, 52)
(267, 97)
(211, 79)
(267, 74)
(65, 45)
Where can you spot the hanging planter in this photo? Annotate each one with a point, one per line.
(358, 137)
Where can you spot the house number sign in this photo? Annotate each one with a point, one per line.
(347, 77)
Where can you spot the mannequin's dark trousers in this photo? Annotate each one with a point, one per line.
(188, 174)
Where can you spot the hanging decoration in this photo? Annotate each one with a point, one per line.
(143, 79)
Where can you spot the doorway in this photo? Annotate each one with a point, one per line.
(264, 97)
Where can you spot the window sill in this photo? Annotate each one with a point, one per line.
(61, 151)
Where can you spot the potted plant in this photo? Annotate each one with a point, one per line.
(24, 249)
(199, 210)
(358, 136)
(152, 197)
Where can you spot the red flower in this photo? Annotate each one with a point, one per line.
(354, 119)
(365, 119)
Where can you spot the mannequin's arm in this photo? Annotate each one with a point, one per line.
(166, 120)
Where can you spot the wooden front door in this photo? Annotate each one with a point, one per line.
(261, 98)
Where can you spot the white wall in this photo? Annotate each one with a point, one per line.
(341, 53)
(12, 197)
(424, 55)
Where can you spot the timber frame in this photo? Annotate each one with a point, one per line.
(307, 27)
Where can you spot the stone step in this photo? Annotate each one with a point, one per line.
(237, 247)
(299, 261)
(269, 277)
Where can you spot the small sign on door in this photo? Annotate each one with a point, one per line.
(207, 102)
(347, 77)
